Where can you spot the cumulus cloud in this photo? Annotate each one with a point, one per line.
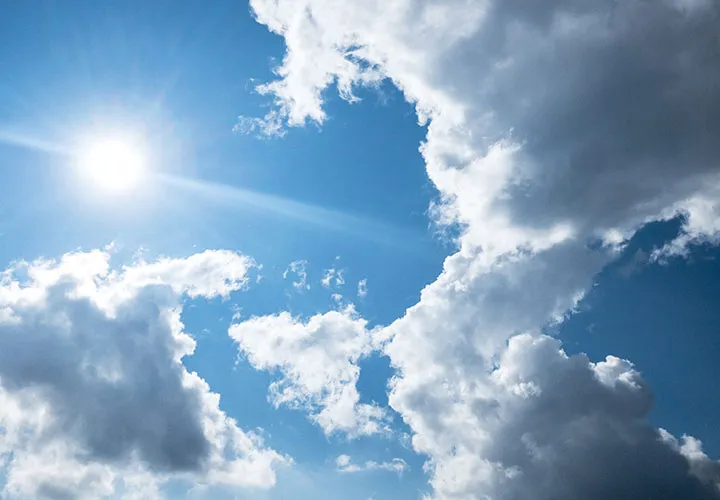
(555, 130)
(299, 269)
(546, 425)
(92, 384)
(317, 361)
(544, 115)
(343, 463)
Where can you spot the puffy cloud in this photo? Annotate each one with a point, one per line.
(548, 426)
(92, 385)
(344, 464)
(318, 364)
(299, 268)
(556, 129)
(691, 448)
(211, 273)
(701, 226)
(540, 115)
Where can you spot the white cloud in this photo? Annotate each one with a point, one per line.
(211, 273)
(269, 126)
(299, 268)
(509, 142)
(362, 288)
(344, 463)
(333, 278)
(545, 425)
(701, 226)
(93, 390)
(318, 365)
(556, 129)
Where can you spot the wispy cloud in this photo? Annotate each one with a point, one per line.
(333, 278)
(344, 463)
(298, 268)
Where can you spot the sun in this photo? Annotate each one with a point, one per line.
(112, 164)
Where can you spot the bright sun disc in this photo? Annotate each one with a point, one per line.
(112, 164)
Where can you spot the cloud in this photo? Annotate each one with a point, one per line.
(546, 425)
(211, 273)
(299, 268)
(270, 126)
(92, 384)
(344, 463)
(701, 214)
(318, 365)
(538, 115)
(555, 131)
(333, 278)
(362, 288)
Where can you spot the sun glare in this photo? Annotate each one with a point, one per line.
(112, 164)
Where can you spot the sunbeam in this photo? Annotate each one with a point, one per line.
(232, 196)
(24, 141)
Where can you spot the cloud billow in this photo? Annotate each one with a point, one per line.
(555, 130)
(93, 387)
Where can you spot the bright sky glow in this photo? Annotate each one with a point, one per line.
(112, 164)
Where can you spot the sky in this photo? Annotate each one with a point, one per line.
(464, 249)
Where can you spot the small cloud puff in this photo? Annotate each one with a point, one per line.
(299, 269)
(362, 288)
(333, 278)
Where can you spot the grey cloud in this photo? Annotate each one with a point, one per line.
(551, 124)
(93, 392)
(581, 434)
(615, 103)
(62, 350)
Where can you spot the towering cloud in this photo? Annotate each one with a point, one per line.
(556, 130)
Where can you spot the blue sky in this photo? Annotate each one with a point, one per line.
(505, 181)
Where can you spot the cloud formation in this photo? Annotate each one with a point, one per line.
(701, 214)
(545, 115)
(317, 361)
(546, 425)
(94, 393)
(555, 130)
